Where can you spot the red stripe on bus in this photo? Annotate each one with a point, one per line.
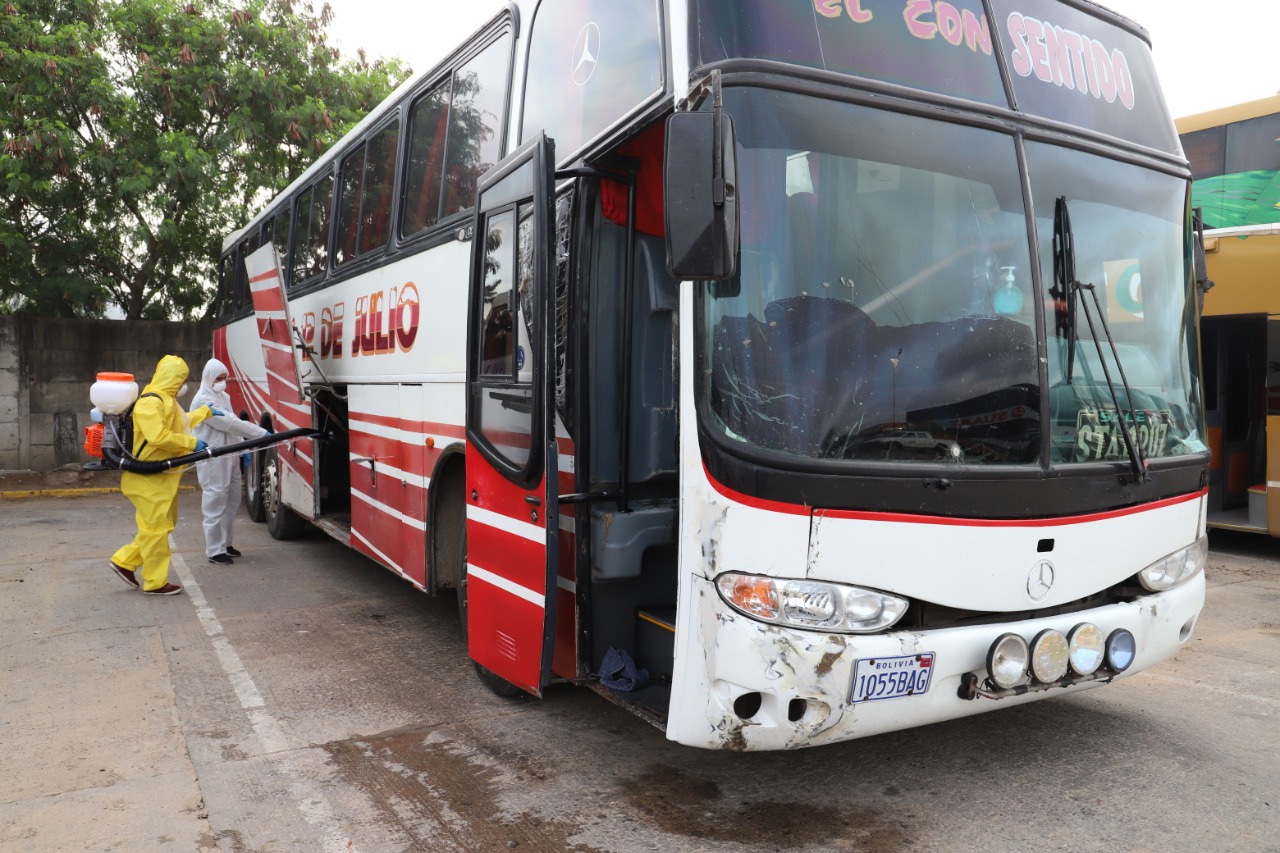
(403, 544)
(405, 498)
(267, 300)
(1058, 521)
(908, 518)
(264, 276)
(513, 557)
(758, 503)
(410, 425)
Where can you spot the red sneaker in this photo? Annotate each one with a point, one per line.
(167, 589)
(126, 575)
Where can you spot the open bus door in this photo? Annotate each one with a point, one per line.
(293, 467)
(508, 594)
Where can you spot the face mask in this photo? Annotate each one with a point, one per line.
(182, 392)
(220, 386)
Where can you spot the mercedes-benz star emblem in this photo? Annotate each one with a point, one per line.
(1040, 580)
(586, 53)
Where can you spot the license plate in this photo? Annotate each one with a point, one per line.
(891, 678)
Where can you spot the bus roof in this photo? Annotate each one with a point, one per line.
(1227, 115)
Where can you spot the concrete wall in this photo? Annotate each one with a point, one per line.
(47, 366)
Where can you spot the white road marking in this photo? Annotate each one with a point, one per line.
(310, 798)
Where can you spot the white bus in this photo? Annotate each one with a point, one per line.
(787, 371)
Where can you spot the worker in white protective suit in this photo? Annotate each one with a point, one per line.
(220, 478)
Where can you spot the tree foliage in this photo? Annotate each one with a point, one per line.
(134, 134)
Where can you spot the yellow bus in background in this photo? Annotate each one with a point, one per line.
(1235, 164)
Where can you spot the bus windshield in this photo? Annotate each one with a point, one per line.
(884, 307)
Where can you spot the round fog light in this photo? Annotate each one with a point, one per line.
(1049, 656)
(1007, 661)
(1085, 648)
(1122, 648)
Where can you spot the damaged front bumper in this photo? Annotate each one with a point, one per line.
(746, 685)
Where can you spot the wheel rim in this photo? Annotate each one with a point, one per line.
(271, 494)
(252, 483)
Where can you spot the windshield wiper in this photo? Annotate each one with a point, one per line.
(1064, 281)
(1066, 287)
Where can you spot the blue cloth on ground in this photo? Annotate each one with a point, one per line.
(619, 672)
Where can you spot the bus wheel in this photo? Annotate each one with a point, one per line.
(498, 685)
(251, 481)
(282, 522)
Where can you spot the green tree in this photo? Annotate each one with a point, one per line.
(134, 134)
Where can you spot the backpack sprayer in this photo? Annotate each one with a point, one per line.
(114, 395)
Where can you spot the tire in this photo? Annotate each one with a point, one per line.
(282, 522)
(497, 685)
(251, 482)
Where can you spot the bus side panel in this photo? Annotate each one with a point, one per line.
(297, 476)
(388, 490)
(247, 379)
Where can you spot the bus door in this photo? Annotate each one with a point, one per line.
(512, 460)
(284, 378)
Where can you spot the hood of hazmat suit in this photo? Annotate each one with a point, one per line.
(161, 430)
(224, 429)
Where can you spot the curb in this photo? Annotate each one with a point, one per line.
(69, 493)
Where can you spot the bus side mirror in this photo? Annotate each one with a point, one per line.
(701, 196)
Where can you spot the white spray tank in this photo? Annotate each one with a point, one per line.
(112, 395)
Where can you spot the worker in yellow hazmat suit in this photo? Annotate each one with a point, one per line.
(161, 430)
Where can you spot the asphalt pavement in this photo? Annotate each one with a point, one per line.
(93, 751)
(306, 700)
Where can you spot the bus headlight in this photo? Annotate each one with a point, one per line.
(1085, 648)
(814, 605)
(1007, 661)
(1049, 655)
(1122, 648)
(1178, 567)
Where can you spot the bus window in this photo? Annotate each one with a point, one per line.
(504, 391)
(426, 160)
(278, 228)
(497, 332)
(318, 232)
(349, 185)
(379, 176)
(302, 226)
(1127, 232)
(575, 99)
(241, 294)
(476, 118)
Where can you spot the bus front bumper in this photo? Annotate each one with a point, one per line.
(748, 685)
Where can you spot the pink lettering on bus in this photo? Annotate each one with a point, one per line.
(950, 24)
(1069, 60)
(832, 9)
(331, 331)
(308, 334)
(386, 321)
(977, 33)
(927, 19)
(914, 14)
(406, 327)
